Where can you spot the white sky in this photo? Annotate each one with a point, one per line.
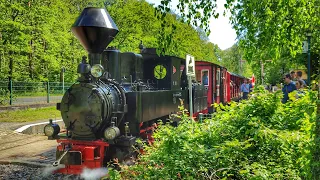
(222, 33)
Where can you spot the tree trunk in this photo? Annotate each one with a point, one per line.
(10, 65)
(32, 51)
(30, 61)
(10, 70)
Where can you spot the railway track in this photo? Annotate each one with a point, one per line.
(24, 172)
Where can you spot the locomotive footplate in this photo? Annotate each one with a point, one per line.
(125, 141)
(71, 158)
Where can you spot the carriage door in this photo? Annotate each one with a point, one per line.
(205, 80)
(218, 85)
(228, 86)
(213, 84)
(222, 93)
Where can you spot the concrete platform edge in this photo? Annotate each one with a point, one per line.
(37, 128)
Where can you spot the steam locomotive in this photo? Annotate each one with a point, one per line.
(119, 97)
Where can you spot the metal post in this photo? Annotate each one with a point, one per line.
(309, 61)
(190, 96)
(48, 92)
(262, 73)
(63, 70)
(200, 117)
(10, 91)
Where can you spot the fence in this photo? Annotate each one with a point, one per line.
(18, 93)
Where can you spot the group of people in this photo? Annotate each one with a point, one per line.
(292, 82)
(246, 88)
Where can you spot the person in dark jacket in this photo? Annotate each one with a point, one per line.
(287, 88)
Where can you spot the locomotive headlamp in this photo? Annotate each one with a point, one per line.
(111, 133)
(97, 70)
(48, 130)
(51, 129)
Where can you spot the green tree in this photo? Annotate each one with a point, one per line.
(232, 59)
(137, 21)
(267, 30)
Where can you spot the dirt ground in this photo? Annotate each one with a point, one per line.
(27, 157)
(16, 146)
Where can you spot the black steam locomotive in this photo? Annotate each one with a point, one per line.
(118, 97)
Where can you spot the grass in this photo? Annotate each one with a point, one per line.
(35, 94)
(30, 115)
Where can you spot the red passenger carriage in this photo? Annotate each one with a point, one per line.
(222, 85)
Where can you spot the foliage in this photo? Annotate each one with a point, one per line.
(266, 30)
(138, 21)
(195, 12)
(275, 30)
(36, 39)
(256, 139)
(232, 59)
(4, 96)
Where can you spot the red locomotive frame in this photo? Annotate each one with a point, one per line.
(92, 154)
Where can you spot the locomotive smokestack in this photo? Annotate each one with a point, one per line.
(95, 29)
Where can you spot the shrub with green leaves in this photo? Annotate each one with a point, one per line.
(5, 97)
(260, 138)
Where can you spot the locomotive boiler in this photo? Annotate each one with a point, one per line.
(118, 97)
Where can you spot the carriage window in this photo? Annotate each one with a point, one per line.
(181, 70)
(205, 77)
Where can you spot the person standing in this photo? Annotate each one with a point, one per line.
(287, 88)
(205, 79)
(293, 77)
(245, 89)
(299, 78)
(299, 86)
(250, 86)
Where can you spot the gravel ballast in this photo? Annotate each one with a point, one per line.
(10, 171)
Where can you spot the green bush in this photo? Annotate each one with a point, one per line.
(260, 138)
(5, 97)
